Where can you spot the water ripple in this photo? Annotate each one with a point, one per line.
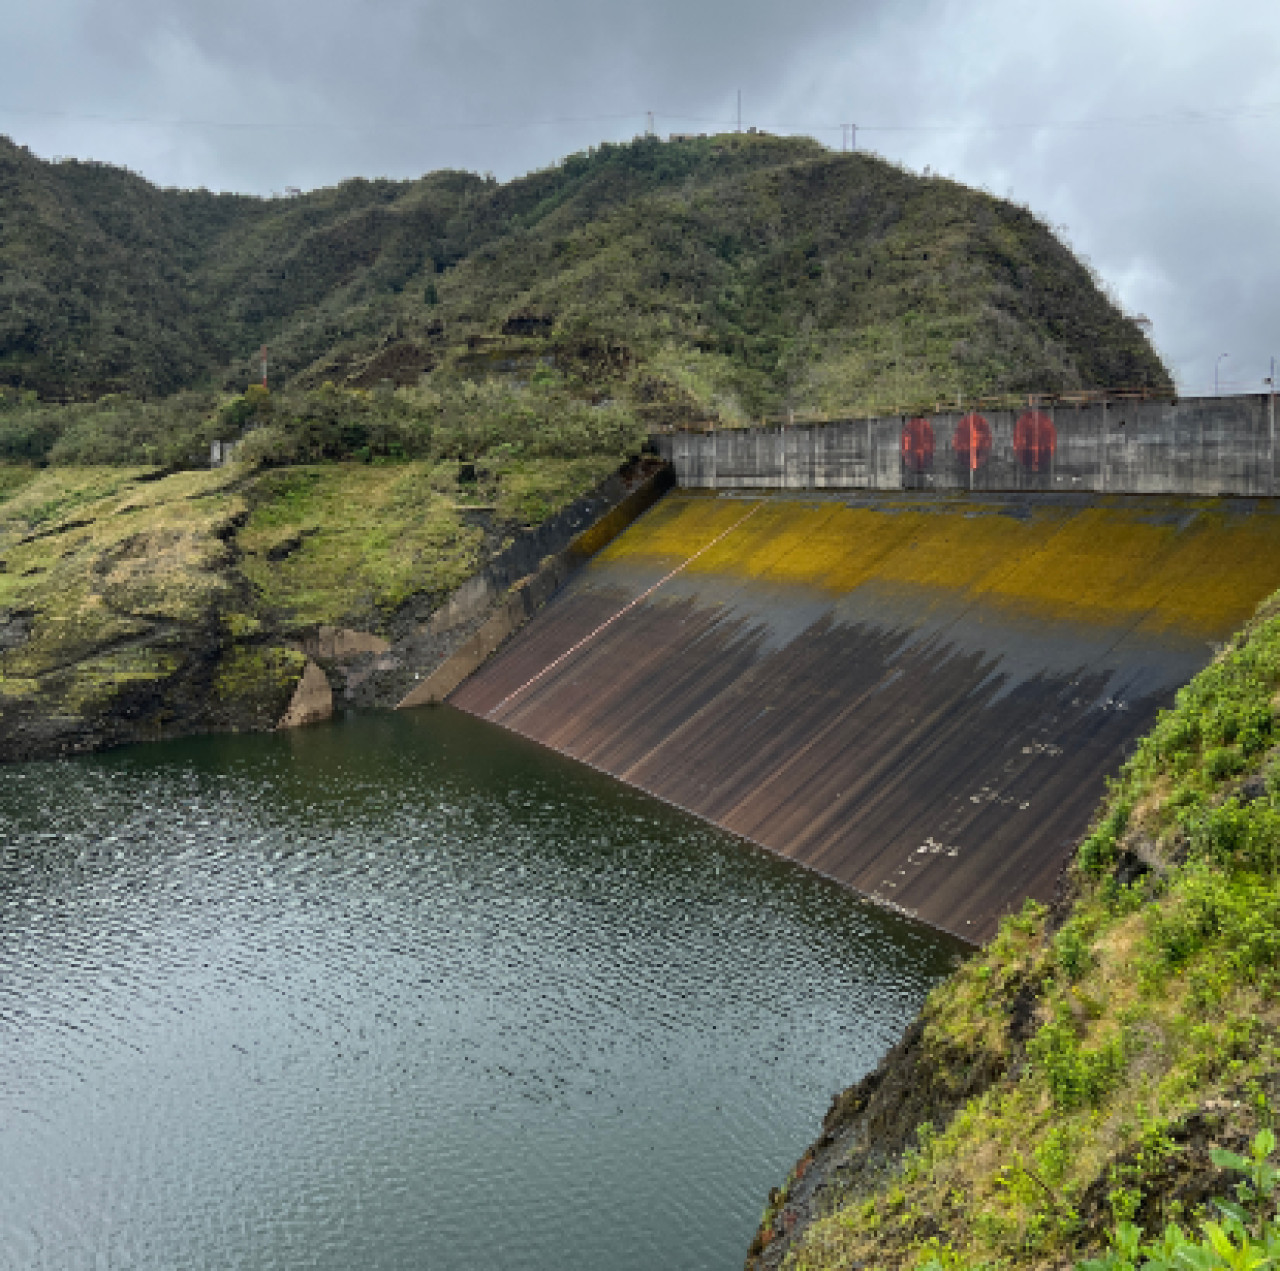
(405, 992)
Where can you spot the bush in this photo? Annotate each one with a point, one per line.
(462, 420)
(1077, 1076)
(1223, 717)
(1223, 761)
(1098, 850)
(1242, 836)
(1237, 919)
(1071, 951)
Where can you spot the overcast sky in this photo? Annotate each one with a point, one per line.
(1145, 129)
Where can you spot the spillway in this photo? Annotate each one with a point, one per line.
(917, 695)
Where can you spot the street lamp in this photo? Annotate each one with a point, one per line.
(1215, 371)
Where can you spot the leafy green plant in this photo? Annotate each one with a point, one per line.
(1245, 1236)
(1098, 851)
(1071, 951)
(1257, 1188)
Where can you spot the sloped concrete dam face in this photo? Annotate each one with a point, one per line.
(918, 696)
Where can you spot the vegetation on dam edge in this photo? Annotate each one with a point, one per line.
(1076, 1082)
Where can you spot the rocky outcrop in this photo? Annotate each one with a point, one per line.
(341, 644)
(502, 622)
(312, 700)
(126, 618)
(866, 1131)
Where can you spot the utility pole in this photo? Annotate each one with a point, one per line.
(853, 137)
(1271, 423)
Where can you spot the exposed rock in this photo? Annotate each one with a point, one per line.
(312, 699)
(340, 644)
(520, 604)
(865, 1132)
(129, 621)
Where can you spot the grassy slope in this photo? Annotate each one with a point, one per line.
(348, 543)
(115, 579)
(107, 578)
(726, 276)
(1115, 1036)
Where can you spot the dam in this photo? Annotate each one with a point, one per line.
(916, 693)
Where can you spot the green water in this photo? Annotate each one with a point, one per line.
(404, 992)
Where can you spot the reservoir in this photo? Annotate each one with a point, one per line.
(409, 991)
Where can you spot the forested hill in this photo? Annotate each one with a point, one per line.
(728, 277)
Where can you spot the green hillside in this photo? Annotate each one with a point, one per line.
(725, 277)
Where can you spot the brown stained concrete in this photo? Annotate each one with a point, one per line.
(921, 701)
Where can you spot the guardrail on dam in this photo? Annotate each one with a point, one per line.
(1209, 445)
(917, 694)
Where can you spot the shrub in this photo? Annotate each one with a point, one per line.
(1071, 951)
(1077, 1076)
(1099, 849)
(1223, 761)
(1244, 836)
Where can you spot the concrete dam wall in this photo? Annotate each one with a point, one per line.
(1210, 445)
(917, 695)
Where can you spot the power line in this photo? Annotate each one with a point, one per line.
(256, 125)
(1177, 119)
(1263, 110)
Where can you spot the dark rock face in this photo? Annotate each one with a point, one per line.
(866, 1131)
(183, 703)
(216, 687)
(128, 618)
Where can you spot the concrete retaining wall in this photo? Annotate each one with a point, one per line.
(1201, 446)
(528, 595)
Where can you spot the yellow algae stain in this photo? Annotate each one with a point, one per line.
(677, 527)
(1216, 577)
(755, 547)
(1191, 566)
